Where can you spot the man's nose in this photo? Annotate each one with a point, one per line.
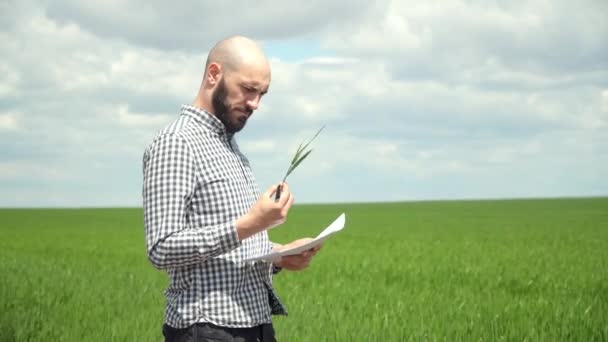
(253, 102)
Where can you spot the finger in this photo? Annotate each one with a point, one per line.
(296, 263)
(291, 200)
(284, 195)
(300, 260)
(304, 264)
(288, 205)
(307, 254)
(271, 191)
(285, 200)
(284, 186)
(296, 258)
(304, 259)
(292, 264)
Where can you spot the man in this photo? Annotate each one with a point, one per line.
(203, 212)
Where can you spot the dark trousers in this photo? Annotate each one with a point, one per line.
(204, 332)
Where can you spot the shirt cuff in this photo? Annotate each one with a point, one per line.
(229, 237)
(276, 269)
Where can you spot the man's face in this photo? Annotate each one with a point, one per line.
(236, 97)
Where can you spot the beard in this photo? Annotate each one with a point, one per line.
(223, 111)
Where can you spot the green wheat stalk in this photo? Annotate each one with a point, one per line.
(300, 155)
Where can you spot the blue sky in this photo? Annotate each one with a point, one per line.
(421, 100)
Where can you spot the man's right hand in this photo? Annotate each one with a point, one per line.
(265, 213)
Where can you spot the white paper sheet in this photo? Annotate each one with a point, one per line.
(333, 228)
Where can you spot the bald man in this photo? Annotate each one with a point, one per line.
(203, 212)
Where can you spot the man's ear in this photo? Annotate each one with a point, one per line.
(214, 73)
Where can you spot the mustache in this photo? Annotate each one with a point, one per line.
(248, 111)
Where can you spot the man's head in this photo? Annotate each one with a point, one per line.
(237, 75)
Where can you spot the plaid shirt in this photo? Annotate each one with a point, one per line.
(196, 184)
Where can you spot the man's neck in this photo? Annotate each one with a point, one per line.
(203, 105)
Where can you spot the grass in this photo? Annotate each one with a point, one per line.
(445, 271)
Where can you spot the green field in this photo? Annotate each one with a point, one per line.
(508, 270)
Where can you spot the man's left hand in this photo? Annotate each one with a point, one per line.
(296, 262)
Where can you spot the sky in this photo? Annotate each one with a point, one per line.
(422, 100)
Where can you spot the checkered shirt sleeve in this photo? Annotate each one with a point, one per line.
(170, 178)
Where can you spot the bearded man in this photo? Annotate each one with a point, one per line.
(204, 215)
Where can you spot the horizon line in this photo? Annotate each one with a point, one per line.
(463, 199)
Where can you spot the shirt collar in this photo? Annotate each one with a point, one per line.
(208, 120)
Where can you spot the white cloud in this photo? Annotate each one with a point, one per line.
(9, 80)
(150, 71)
(604, 101)
(263, 145)
(446, 39)
(321, 61)
(9, 121)
(128, 118)
(192, 25)
(21, 170)
(421, 99)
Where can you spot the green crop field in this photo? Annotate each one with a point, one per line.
(510, 270)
